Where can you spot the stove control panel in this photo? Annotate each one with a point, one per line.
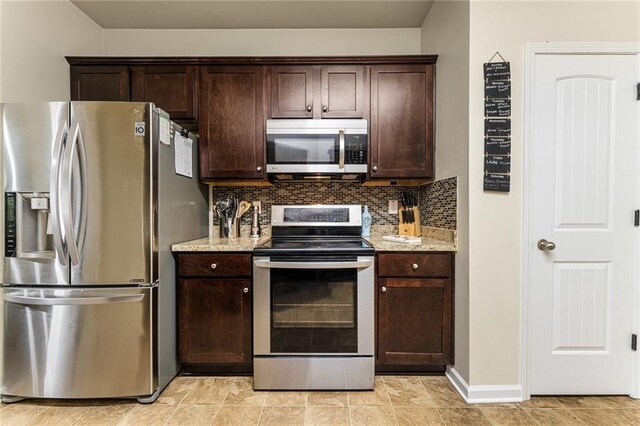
(306, 215)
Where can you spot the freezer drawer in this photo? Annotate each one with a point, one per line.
(81, 343)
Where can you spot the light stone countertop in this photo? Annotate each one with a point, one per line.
(433, 239)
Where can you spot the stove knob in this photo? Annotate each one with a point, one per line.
(383, 289)
(245, 290)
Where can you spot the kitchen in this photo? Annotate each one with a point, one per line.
(481, 281)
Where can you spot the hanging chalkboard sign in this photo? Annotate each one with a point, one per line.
(497, 71)
(497, 125)
(497, 182)
(497, 107)
(497, 146)
(497, 163)
(497, 89)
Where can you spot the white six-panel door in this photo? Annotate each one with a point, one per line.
(584, 173)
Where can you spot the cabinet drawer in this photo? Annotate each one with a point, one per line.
(214, 265)
(414, 265)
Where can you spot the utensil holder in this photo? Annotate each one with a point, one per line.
(229, 228)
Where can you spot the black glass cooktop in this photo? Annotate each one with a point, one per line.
(323, 245)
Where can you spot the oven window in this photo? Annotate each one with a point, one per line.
(314, 311)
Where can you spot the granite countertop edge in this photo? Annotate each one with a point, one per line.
(433, 240)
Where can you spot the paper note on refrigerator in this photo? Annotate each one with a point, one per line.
(165, 131)
(184, 155)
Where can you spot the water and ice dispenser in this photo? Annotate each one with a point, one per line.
(28, 232)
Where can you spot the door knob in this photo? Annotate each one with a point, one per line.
(258, 169)
(309, 107)
(374, 168)
(383, 289)
(214, 266)
(545, 245)
(324, 108)
(245, 290)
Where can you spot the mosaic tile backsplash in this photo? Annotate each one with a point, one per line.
(432, 199)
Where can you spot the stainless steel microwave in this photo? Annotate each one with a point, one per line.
(317, 149)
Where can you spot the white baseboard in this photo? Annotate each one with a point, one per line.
(483, 394)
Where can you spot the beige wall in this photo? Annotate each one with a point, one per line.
(36, 36)
(266, 42)
(445, 32)
(495, 224)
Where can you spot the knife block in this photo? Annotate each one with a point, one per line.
(410, 229)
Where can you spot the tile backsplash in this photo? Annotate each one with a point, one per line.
(437, 201)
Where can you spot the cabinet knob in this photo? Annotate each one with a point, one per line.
(414, 266)
(383, 289)
(214, 266)
(324, 108)
(374, 168)
(309, 108)
(258, 169)
(245, 290)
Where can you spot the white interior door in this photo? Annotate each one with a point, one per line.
(584, 192)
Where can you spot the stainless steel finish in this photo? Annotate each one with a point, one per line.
(317, 126)
(327, 373)
(341, 155)
(316, 168)
(313, 265)
(258, 169)
(119, 198)
(51, 349)
(383, 289)
(181, 205)
(245, 290)
(414, 266)
(214, 266)
(355, 215)
(262, 307)
(55, 301)
(545, 245)
(33, 136)
(74, 194)
(309, 108)
(374, 168)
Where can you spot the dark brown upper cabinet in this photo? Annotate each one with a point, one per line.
(402, 116)
(100, 83)
(329, 91)
(232, 123)
(171, 87)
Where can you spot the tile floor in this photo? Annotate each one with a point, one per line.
(396, 400)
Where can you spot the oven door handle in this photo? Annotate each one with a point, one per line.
(313, 265)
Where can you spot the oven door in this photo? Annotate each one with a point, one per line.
(320, 306)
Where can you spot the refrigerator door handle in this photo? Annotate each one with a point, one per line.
(54, 194)
(54, 301)
(75, 242)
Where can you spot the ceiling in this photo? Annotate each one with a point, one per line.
(231, 14)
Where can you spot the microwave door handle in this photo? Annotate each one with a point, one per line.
(313, 265)
(55, 191)
(341, 158)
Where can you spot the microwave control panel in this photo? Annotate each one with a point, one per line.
(355, 149)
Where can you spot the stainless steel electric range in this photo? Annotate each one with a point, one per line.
(313, 299)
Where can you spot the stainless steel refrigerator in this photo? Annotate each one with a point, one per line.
(94, 196)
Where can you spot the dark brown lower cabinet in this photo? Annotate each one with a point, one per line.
(214, 320)
(414, 318)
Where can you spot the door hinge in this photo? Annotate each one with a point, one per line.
(636, 218)
(634, 342)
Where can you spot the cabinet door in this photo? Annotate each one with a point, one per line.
(172, 88)
(414, 321)
(343, 91)
(402, 121)
(215, 321)
(100, 83)
(232, 123)
(292, 92)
